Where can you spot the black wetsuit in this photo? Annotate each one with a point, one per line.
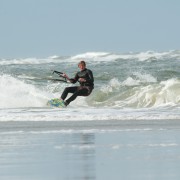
(84, 89)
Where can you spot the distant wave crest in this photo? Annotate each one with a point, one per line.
(95, 57)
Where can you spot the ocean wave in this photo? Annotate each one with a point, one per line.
(96, 57)
(132, 94)
(27, 61)
(139, 56)
(85, 114)
(145, 92)
(16, 93)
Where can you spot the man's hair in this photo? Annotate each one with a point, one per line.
(82, 62)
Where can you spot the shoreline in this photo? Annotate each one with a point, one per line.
(88, 125)
(53, 150)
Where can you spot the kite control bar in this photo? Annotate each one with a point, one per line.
(60, 75)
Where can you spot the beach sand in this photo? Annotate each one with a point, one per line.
(103, 150)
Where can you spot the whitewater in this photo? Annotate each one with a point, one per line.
(128, 86)
(128, 128)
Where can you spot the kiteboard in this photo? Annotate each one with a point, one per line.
(56, 102)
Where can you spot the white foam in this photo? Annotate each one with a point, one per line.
(84, 114)
(131, 82)
(90, 55)
(156, 95)
(141, 56)
(165, 93)
(139, 78)
(96, 57)
(119, 146)
(150, 55)
(145, 77)
(163, 145)
(113, 84)
(16, 93)
(28, 61)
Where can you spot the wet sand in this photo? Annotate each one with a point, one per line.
(100, 150)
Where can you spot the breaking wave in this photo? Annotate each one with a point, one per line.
(130, 93)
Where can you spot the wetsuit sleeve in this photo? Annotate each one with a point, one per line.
(75, 79)
(91, 78)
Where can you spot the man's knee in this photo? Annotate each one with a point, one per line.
(67, 89)
(82, 92)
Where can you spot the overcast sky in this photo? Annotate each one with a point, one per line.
(41, 28)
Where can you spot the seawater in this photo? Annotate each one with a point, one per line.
(128, 128)
(102, 150)
(143, 85)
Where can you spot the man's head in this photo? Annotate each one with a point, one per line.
(82, 65)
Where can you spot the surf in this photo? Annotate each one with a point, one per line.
(127, 80)
(15, 93)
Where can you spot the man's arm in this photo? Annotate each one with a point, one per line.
(72, 80)
(91, 78)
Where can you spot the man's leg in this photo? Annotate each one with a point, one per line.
(81, 91)
(68, 90)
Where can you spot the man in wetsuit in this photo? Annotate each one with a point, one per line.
(86, 80)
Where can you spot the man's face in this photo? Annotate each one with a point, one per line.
(81, 66)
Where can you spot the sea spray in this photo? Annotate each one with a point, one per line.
(15, 93)
(142, 85)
